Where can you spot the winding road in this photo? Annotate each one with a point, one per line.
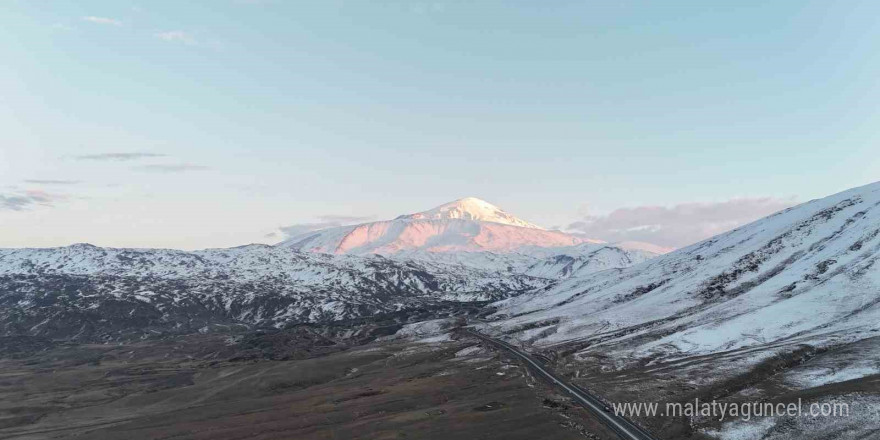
(622, 426)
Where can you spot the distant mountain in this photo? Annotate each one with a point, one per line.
(465, 225)
(806, 276)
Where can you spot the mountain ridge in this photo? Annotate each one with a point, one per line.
(93, 293)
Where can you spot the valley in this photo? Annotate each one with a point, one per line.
(279, 384)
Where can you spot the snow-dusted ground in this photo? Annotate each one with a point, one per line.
(843, 364)
(861, 421)
(424, 329)
(806, 275)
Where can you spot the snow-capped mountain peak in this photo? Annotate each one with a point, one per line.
(465, 225)
(470, 208)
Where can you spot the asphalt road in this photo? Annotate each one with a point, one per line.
(622, 426)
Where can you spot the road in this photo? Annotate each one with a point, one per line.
(624, 428)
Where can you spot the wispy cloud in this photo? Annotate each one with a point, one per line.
(302, 228)
(25, 200)
(140, 155)
(120, 157)
(52, 182)
(178, 37)
(102, 20)
(679, 225)
(326, 222)
(171, 168)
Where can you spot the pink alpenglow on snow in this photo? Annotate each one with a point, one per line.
(465, 225)
(470, 208)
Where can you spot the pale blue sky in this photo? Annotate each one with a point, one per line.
(262, 114)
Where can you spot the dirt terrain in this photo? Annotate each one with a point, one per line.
(293, 384)
(731, 377)
(358, 382)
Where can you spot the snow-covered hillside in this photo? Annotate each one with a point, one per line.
(553, 263)
(466, 225)
(809, 274)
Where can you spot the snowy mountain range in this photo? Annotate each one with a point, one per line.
(87, 292)
(806, 276)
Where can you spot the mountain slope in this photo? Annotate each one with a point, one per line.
(465, 225)
(552, 263)
(806, 275)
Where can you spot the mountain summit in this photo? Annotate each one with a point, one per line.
(470, 208)
(465, 225)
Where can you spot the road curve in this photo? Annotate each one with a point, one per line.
(624, 428)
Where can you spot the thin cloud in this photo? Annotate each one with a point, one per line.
(120, 157)
(27, 199)
(102, 20)
(302, 228)
(326, 222)
(52, 182)
(679, 225)
(178, 37)
(171, 168)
